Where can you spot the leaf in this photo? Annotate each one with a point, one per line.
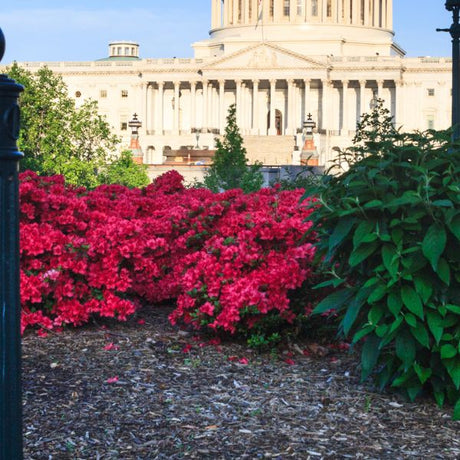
(412, 300)
(444, 271)
(353, 309)
(390, 261)
(435, 324)
(369, 355)
(405, 349)
(394, 303)
(362, 231)
(454, 226)
(421, 334)
(453, 308)
(423, 286)
(377, 294)
(362, 253)
(408, 197)
(423, 373)
(456, 415)
(434, 243)
(448, 351)
(453, 368)
(340, 232)
(333, 301)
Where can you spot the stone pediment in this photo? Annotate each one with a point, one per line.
(265, 56)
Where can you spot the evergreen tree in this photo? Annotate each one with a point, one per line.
(230, 167)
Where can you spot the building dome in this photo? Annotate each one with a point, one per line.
(123, 50)
(313, 27)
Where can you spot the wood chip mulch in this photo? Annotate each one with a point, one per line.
(151, 391)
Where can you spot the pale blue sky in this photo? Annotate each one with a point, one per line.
(73, 30)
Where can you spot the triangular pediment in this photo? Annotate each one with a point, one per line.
(265, 56)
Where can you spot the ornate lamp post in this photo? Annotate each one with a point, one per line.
(10, 338)
(454, 30)
(134, 146)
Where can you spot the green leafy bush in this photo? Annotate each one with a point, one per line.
(389, 237)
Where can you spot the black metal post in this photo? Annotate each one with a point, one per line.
(454, 30)
(10, 309)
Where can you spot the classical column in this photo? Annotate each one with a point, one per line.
(366, 13)
(339, 18)
(345, 108)
(306, 99)
(149, 118)
(293, 11)
(399, 103)
(356, 9)
(176, 115)
(272, 130)
(238, 101)
(161, 107)
(193, 104)
(362, 108)
(255, 107)
(235, 12)
(390, 15)
(221, 106)
(325, 109)
(290, 106)
(347, 11)
(205, 105)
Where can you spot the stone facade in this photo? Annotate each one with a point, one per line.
(278, 61)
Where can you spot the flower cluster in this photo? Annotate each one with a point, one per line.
(228, 259)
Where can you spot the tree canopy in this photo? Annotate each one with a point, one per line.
(56, 136)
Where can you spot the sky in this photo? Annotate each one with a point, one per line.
(80, 30)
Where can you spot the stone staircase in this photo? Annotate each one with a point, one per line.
(270, 150)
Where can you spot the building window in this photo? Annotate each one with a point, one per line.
(287, 8)
(119, 51)
(329, 9)
(124, 93)
(362, 12)
(77, 94)
(240, 10)
(314, 7)
(430, 122)
(430, 91)
(299, 8)
(103, 93)
(272, 8)
(124, 126)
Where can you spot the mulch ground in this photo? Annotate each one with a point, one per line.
(151, 391)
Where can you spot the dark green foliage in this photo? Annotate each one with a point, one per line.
(389, 236)
(125, 171)
(56, 136)
(230, 167)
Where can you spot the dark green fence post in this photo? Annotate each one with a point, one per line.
(10, 308)
(454, 30)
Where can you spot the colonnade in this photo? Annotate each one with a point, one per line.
(372, 13)
(264, 107)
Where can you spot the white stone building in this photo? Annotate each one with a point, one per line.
(277, 60)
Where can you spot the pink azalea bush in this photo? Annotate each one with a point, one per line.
(229, 259)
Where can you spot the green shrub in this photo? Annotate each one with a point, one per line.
(389, 237)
